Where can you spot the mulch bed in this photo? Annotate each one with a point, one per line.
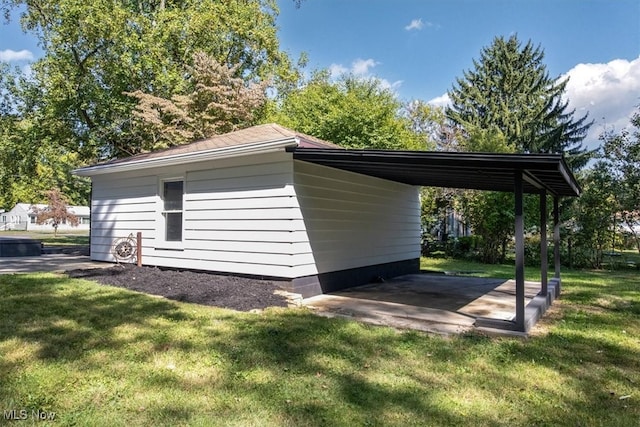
(237, 293)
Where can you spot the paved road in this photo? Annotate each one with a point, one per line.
(48, 263)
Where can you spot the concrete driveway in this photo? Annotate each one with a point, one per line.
(429, 302)
(48, 263)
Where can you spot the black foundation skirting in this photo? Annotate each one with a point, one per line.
(323, 283)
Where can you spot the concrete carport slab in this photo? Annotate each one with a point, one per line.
(428, 302)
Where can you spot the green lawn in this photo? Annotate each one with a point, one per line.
(98, 355)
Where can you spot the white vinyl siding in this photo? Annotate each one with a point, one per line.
(240, 215)
(122, 204)
(265, 215)
(354, 220)
(244, 218)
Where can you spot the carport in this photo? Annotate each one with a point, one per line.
(541, 174)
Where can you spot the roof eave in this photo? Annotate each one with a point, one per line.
(198, 156)
(532, 164)
(569, 177)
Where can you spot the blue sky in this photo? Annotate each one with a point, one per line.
(428, 58)
(419, 47)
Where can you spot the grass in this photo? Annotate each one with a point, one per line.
(98, 355)
(63, 239)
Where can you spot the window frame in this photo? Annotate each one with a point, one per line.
(162, 214)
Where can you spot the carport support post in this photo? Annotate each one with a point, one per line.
(556, 237)
(519, 230)
(556, 245)
(544, 263)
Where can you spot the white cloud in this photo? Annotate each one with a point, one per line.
(337, 70)
(419, 24)
(440, 101)
(360, 67)
(386, 84)
(9, 55)
(609, 92)
(415, 24)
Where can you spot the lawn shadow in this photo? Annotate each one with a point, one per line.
(65, 323)
(305, 369)
(320, 365)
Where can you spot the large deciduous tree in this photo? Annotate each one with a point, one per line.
(510, 89)
(73, 103)
(31, 158)
(95, 52)
(591, 223)
(352, 112)
(621, 160)
(431, 124)
(217, 102)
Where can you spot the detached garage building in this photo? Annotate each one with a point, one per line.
(269, 201)
(242, 203)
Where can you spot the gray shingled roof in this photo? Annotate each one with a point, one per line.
(252, 135)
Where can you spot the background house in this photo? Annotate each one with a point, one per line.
(240, 203)
(23, 217)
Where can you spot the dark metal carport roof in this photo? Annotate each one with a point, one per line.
(479, 171)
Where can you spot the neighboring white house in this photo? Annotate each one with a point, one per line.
(240, 203)
(23, 217)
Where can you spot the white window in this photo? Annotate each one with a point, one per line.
(172, 192)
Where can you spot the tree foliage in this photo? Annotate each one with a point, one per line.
(510, 90)
(490, 214)
(488, 218)
(73, 103)
(508, 104)
(432, 126)
(217, 102)
(591, 225)
(56, 211)
(95, 52)
(621, 162)
(31, 158)
(352, 112)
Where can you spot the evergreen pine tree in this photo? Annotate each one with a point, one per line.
(510, 89)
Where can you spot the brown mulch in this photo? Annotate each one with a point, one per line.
(237, 293)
